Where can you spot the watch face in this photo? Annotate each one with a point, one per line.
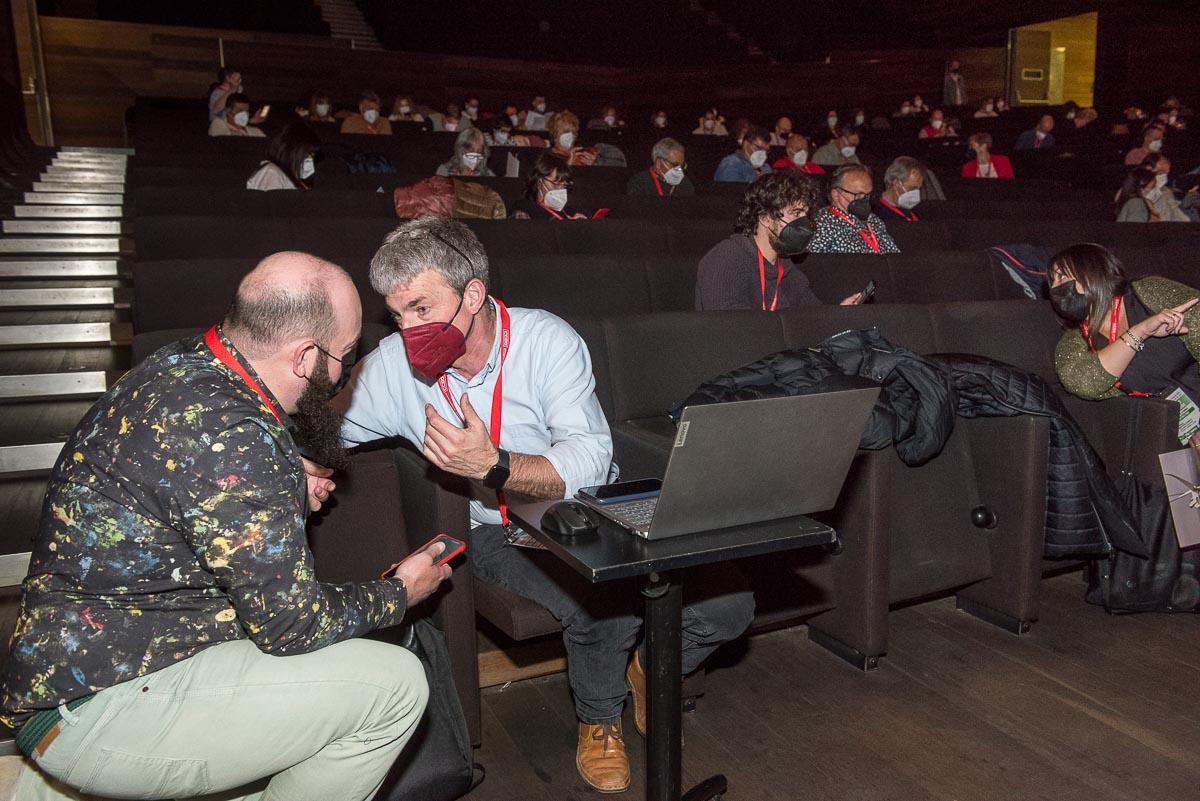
(498, 475)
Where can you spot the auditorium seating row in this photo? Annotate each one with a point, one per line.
(355, 239)
(906, 532)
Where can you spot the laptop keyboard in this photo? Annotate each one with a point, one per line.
(635, 514)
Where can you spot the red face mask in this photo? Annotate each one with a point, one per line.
(433, 347)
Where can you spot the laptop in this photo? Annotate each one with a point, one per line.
(745, 462)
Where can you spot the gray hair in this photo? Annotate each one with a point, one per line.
(900, 169)
(663, 147)
(445, 246)
(847, 169)
(462, 144)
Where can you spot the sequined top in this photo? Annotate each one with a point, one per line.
(1080, 370)
(174, 520)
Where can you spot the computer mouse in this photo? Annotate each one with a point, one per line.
(570, 519)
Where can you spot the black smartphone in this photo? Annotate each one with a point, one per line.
(867, 293)
(622, 491)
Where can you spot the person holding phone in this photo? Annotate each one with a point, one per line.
(1121, 336)
(236, 121)
(547, 191)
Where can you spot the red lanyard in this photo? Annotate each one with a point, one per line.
(497, 396)
(226, 358)
(762, 280)
(911, 216)
(867, 235)
(551, 211)
(658, 185)
(1113, 327)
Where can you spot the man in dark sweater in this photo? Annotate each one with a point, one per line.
(667, 176)
(753, 268)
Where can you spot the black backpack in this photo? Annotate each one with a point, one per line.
(436, 764)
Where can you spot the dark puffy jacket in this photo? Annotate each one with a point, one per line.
(916, 411)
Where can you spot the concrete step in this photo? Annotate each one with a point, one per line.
(65, 227)
(25, 460)
(86, 384)
(28, 211)
(59, 268)
(104, 151)
(78, 186)
(84, 173)
(73, 198)
(67, 297)
(53, 245)
(60, 335)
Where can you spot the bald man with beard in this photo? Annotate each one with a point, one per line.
(172, 638)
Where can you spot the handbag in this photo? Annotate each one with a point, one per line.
(436, 764)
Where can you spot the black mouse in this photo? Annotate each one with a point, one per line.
(569, 519)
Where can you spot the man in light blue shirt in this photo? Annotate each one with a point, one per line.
(749, 161)
(464, 365)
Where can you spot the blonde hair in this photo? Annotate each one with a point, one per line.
(561, 121)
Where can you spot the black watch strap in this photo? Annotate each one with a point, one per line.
(497, 477)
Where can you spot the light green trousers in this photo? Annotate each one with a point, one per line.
(235, 723)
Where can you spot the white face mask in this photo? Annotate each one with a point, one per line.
(472, 111)
(322, 109)
(555, 199)
(660, 122)
(472, 160)
(832, 120)
(370, 115)
(708, 124)
(800, 158)
(1154, 146)
(307, 168)
(1172, 117)
(565, 140)
(673, 176)
(241, 118)
(405, 109)
(610, 121)
(906, 109)
(937, 124)
(1040, 134)
(501, 137)
(849, 150)
(1070, 115)
(859, 119)
(909, 199)
(450, 126)
(758, 158)
(540, 108)
(1160, 180)
(514, 119)
(989, 108)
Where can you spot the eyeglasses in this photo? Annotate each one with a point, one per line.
(561, 183)
(855, 195)
(672, 164)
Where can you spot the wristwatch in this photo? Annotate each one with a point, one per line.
(497, 477)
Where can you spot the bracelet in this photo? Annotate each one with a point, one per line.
(1133, 342)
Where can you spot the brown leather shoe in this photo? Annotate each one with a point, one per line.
(635, 680)
(600, 757)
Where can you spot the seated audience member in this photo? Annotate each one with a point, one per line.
(984, 163)
(470, 108)
(902, 182)
(753, 268)
(236, 121)
(607, 121)
(905, 110)
(564, 134)
(501, 134)
(1123, 336)
(320, 109)
(1001, 105)
(1037, 137)
(470, 157)
(831, 123)
(433, 275)
(452, 119)
(229, 82)
(796, 157)
(546, 191)
(847, 224)
(535, 118)
(859, 118)
(841, 149)
(1144, 198)
(667, 176)
(1086, 117)
(781, 132)
(659, 120)
(403, 110)
(1189, 203)
(213, 659)
(1170, 119)
(290, 160)
(987, 109)
(918, 105)
(1152, 142)
(711, 124)
(749, 161)
(936, 127)
(367, 119)
(740, 126)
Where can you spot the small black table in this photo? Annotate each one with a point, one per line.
(614, 553)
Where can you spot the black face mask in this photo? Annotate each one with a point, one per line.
(860, 208)
(1069, 303)
(793, 238)
(318, 428)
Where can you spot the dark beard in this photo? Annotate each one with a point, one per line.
(318, 428)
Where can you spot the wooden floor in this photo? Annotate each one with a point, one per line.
(1087, 707)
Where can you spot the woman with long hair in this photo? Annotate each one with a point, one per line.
(290, 162)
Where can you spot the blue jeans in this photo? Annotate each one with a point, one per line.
(601, 621)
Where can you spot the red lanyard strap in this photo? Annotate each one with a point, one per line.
(657, 185)
(551, 211)
(497, 395)
(911, 216)
(762, 280)
(226, 358)
(867, 235)
(1114, 326)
